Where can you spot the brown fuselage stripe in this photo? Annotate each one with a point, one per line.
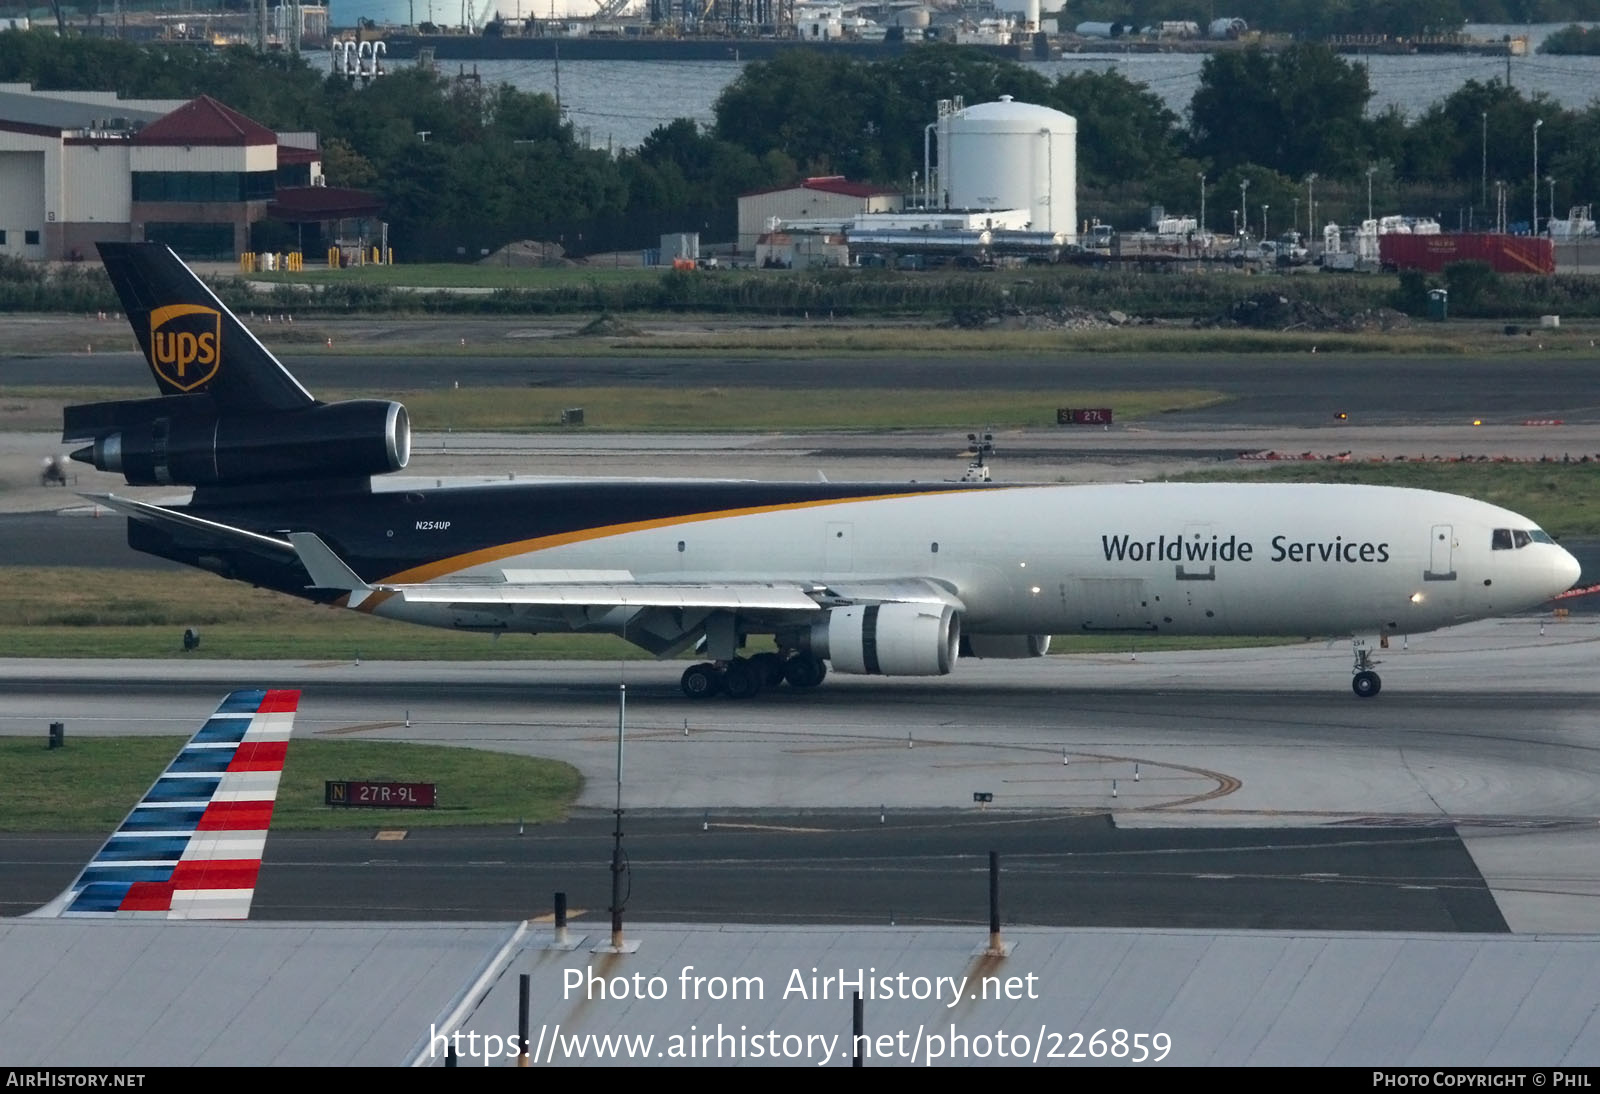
(375, 599)
(433, 570)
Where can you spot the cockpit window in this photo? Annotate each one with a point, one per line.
(1521, 538)
(1501, 540)
(1539, 536)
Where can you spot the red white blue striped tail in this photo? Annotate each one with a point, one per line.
(191, 849)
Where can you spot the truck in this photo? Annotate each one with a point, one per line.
(1432, 253)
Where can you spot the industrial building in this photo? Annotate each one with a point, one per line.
(999, 180)
(827, 197)
(80, 167)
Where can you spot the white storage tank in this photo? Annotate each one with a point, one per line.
(1011, 155)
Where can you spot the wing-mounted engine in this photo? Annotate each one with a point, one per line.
(1006, 647)
(892, 639)
(188, 441)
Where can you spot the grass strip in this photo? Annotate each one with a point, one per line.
(1563, 498)
(681, 410)
(92, 783)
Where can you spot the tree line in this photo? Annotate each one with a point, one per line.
(464, 167)
(1312, 19)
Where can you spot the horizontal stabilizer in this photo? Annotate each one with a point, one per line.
(155, 514)
(191, 848)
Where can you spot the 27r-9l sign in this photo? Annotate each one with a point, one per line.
(351, 794)
(1093, 415)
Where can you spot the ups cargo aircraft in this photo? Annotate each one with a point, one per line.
(897, 579)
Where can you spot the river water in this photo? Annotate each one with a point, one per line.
(617, 103)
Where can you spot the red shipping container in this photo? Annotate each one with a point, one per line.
(1506, 254)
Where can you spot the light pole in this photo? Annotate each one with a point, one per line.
(1533, 229)
(1370, 171)
(1264, 222)
(1552, 216)
(1202, 175)
(1311, 205)
(1244, 209)
(1485, 198)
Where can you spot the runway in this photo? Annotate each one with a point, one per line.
(1350, 810)
(1301, 390)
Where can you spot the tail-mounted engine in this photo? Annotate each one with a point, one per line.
(185, 441)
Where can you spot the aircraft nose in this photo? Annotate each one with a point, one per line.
(1567, 570)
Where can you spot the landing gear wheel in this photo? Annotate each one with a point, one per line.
(701, 681)
(769, 668)
(1366, 684)
(742, 680)
(804, 671)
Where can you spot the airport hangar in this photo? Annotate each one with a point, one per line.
(77, 167)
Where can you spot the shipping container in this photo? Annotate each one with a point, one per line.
(1432, 253)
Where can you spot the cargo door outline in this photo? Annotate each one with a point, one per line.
(1195, 533)
(1198, 593)
(1441, 554)
(1114, 604)
(838, 549)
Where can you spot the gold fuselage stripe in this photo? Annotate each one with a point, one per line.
(484, 555)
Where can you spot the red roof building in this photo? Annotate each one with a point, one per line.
(204, 122)
(80, 167)
(830, 198)
(831, 184)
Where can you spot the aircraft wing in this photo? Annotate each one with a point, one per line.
(731, 595)
(591, 590)
(191, 848)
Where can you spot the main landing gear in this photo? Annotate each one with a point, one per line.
(1365, 682)
(745, 677)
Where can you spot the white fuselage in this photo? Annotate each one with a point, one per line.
(1227, 558)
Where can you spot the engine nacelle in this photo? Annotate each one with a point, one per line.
(889, 639)
(330, 440)
(1005, 646)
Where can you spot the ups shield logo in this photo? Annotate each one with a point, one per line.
(185, 344)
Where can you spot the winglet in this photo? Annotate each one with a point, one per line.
(191, 848)
(328, 570)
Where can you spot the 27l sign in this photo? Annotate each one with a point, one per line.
(1098, 415)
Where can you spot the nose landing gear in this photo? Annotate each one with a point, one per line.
(1365, 682)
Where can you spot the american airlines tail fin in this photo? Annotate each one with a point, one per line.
(190, 339)
(191, 848)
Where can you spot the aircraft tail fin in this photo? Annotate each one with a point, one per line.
(229, 414)
(191, 341)
(191, 848)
